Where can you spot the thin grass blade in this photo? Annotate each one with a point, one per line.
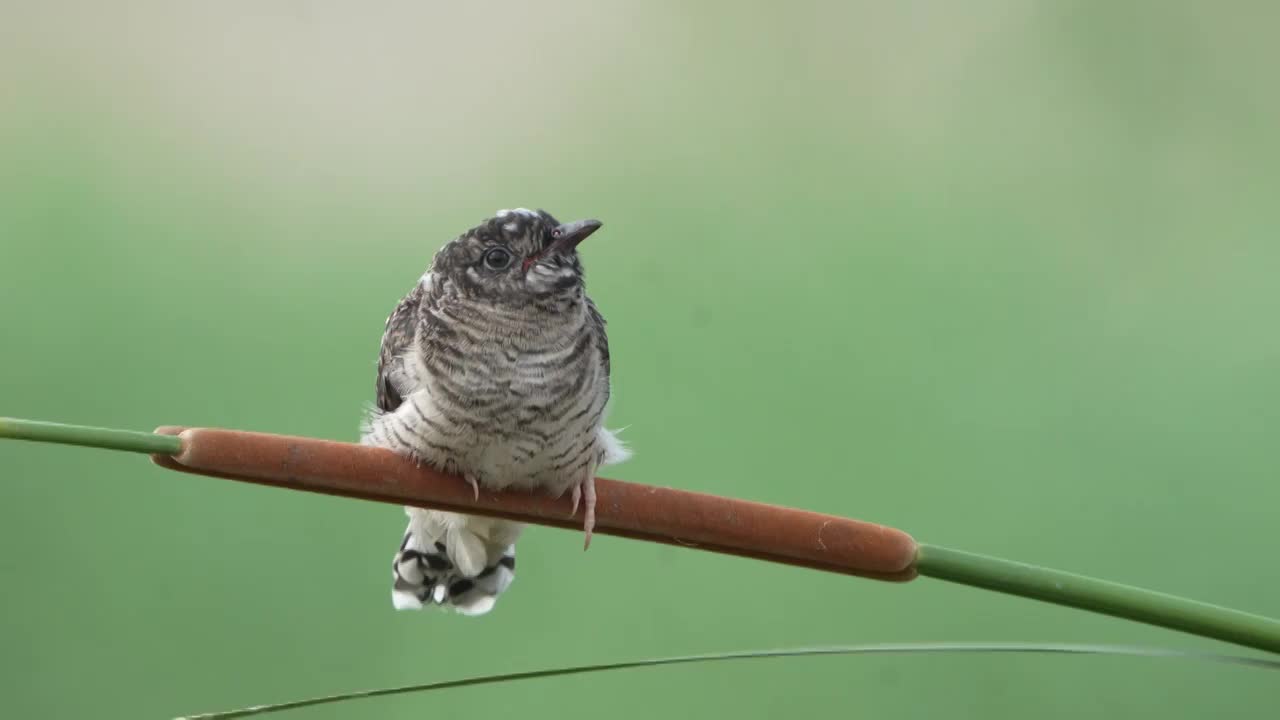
(879, 649)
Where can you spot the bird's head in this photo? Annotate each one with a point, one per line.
(516, 256)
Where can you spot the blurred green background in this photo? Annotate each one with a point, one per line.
(1000, 273)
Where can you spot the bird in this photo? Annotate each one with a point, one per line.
(494, 367)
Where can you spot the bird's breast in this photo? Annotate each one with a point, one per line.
(520, 414)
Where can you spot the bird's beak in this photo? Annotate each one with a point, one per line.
(566, 237)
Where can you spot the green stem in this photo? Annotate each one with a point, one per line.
(127, 440)
(906, 648)
(956, 566)
(1099, 596)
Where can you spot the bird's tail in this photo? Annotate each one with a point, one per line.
(462, 562)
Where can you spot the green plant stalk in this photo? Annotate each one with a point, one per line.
(1005, 576)
(1100, 596)
(127, 440)
(895, 648)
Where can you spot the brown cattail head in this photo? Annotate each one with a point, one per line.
(643, 512)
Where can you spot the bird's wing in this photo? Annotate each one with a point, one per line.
(397, 338)
(602, 337)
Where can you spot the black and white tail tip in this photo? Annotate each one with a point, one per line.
(426, 576)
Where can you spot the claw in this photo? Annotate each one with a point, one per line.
(585, 490)
(589, 521)
(475, 484)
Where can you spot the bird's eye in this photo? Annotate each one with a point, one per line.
(497, 259)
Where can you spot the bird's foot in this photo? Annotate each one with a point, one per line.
(474, 482)
(586, 490)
